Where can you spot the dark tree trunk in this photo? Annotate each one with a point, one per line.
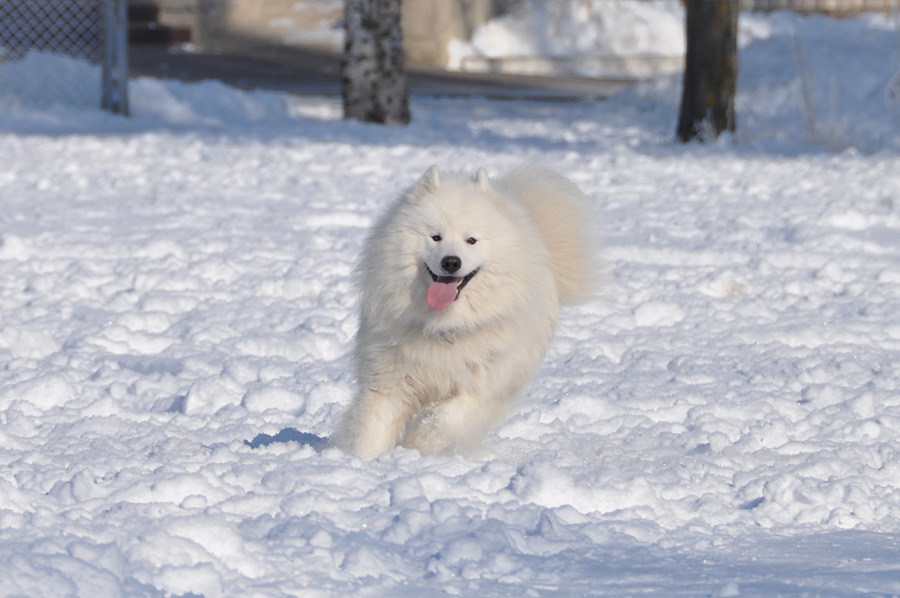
(373, 74)
(711, 67)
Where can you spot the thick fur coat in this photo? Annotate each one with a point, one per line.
(461, 281)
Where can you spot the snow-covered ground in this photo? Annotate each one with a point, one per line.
(178, 319)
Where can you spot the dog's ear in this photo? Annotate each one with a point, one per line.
(427, 183)
(481, 179)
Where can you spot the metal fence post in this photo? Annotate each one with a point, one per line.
(115, 56)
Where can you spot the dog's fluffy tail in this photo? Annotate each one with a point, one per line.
(563, 215)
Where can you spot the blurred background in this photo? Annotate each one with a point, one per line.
(619, 39)
(560, 48)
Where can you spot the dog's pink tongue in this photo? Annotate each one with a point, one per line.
(441, 294)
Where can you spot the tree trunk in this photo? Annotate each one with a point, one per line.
(373, 75)
(711, 67)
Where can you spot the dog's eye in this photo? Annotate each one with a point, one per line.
(436, 238)
(471, 240)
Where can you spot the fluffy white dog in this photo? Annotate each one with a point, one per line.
(461, 283)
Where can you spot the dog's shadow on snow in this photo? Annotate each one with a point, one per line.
(318, 443)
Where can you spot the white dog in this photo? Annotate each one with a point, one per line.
(461, 283)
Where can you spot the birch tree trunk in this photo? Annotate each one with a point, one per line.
(373, 74)
(711, 67)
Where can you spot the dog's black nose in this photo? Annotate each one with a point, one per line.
(450, 264)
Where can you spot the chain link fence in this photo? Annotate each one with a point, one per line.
(50, 51)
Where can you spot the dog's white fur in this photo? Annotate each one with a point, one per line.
(436, 380)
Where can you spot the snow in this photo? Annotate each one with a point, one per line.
(178, 318)
(598, 36)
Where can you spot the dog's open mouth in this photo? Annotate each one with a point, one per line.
(445, 289)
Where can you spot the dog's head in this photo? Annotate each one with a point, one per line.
(454, 232)
(452, 255)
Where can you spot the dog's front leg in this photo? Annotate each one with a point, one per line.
(455, 424)
(375, 423)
